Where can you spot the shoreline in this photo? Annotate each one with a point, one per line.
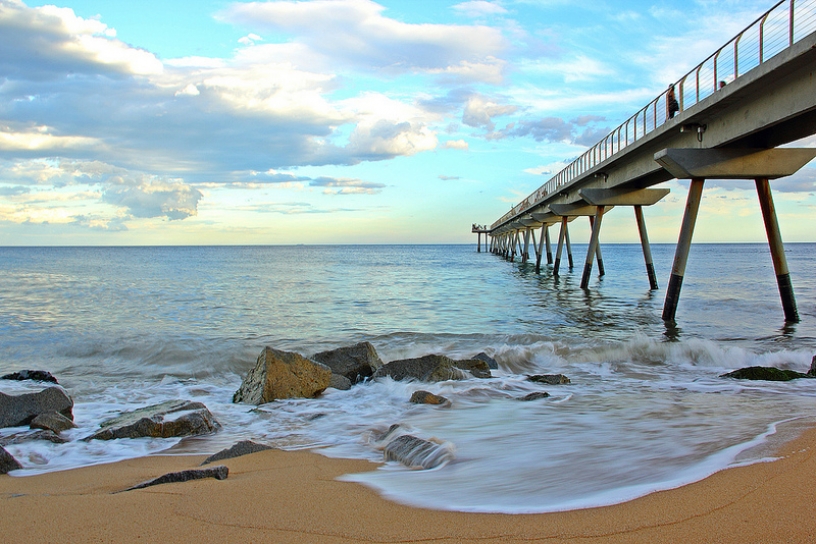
(295, 496)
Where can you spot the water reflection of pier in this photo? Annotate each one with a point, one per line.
(737, 108)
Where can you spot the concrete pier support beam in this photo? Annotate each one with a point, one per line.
(540, 249)
(569, 248)
(546, 230)
(525, 252)
(592, 251)
(561, 236)
(647, 250)
(777, 250)
(682, 251)
(598, 254)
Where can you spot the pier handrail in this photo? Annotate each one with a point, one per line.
(773, 32)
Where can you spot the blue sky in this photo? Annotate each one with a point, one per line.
(338, 121)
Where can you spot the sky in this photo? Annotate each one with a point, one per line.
(203, 122)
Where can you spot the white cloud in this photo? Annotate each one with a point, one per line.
(355, 33)
(479, 8)
(479, 112)
(40, 139)
(457, 144)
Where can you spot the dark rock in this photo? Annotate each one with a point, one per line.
(380, 435)
(765, 373)
(52, 421)
(8, 462)
(35, 375)
(169, 419)
(356, 362)
(282, 375)
(549, 379)
(17, 410)
(424, 397)
(491, 362)
(812, 371)
(219, 473)
(535, 396)
(245, 447)
(417, 453)
(340, 382)
(28, 436)
(433, 368)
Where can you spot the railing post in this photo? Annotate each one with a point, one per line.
(790, 24)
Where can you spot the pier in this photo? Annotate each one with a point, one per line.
(737, 109)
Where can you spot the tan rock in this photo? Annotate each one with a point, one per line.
(282, 375)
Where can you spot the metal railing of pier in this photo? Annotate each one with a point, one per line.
(773, 32)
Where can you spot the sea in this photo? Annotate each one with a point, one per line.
(646, 408)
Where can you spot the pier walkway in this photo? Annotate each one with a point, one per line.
(736, 109)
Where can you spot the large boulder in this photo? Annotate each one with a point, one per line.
(174, 418)
(17, 410)
(282, 375)
(765, 373)
(356, 362)
(434, 368)
(8, 462)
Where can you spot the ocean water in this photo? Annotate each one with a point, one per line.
(122, 328)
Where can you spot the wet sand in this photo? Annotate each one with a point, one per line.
(283, 497)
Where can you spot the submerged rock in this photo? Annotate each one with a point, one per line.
(29, 436)
(17, 410)
(52, 421)
(174, 418)
(549, 379)
(219, 473)
(245, 447)
(417, 453)
(434, 368)
(356, 362)
(491, 362)
(282, 375)
(812, 371)
(8, 462)
(425, 397)
(34, 375)
(766, 373)
(535, 396)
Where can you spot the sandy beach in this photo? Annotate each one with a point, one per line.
(276, 496)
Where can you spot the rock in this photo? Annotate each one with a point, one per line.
(35, 375)
(219, 473)
(17, 410)
(356, 362)
(424, 397)
(535, 396)
(549, 379)
(340, 382)
(28, 436)
(765, 373)
(52, 421)
(169, 419)
(433, 368)
(245, 447)
(417, 453)
(8, 462)
(282, 375)
(491, 362)
(812, 371)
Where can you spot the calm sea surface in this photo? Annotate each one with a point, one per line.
(125, 327)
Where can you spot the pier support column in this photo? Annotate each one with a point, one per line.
(561, 236)
(647, 250)
(525, 252)
(569, 247)
(601, 270)
(540, 248)
(546, 229)
(777, 250)
(593, 246)
(683, 245)
(479, 242)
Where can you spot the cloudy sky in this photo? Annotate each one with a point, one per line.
(338, 121)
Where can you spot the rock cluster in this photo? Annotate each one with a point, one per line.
(34, 375)
(434, 368)
(17, 410)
